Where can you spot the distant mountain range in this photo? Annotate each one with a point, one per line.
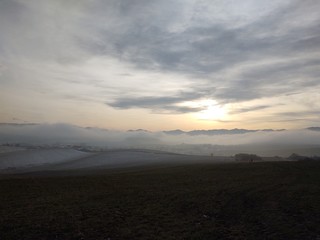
(209, 132)
(195, 132)
(218, 131)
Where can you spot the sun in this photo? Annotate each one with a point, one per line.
(211, 110)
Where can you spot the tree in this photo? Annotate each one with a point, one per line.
(245, 157)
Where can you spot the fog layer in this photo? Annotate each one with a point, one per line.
(70, 134)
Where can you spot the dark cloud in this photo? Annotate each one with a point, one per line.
(163, 104)
(300, 113)
(144, 102)
(146, 40)
(249, 109)
(177, 109)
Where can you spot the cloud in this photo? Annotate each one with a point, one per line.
(41, 31)
(248, 109)
(160, 104)
(157, 104)
(211, 51)
(157, 55)
(296, 114)
(145, 38)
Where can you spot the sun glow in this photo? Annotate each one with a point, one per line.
(211, 110)
(212, 113)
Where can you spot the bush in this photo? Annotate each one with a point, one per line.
(244, 157)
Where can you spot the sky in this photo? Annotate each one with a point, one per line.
(160, 64)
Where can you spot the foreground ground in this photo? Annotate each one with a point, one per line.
(270, 200)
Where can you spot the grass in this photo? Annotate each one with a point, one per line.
(273, 200)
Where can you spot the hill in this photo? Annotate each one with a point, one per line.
(266, 200)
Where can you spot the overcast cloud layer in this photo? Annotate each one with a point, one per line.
(98, 63)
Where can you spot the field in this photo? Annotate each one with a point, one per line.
(266, 200)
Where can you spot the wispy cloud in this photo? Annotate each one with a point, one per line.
(157, 55)
(248, 109)
(160, 104)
